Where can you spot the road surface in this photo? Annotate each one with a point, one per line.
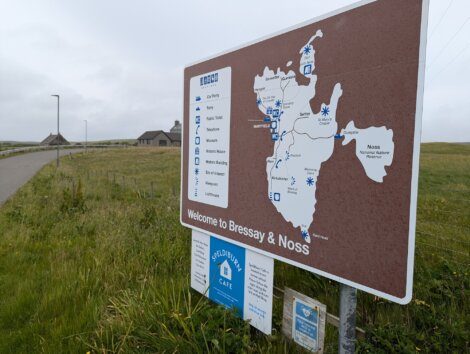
(17, 170)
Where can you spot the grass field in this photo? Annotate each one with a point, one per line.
(10, 146)
(93, 258)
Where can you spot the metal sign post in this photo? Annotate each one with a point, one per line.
(86, 135)
(58, 130)
(347, 319)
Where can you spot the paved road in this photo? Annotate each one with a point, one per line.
(17, 170)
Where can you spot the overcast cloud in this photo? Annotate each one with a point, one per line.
(119, 64)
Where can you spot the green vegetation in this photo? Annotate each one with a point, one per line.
(114, 142)
(7, 145)
(93, 258)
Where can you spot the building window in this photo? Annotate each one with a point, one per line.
(162, 143)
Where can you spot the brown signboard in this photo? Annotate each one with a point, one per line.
(305, 145)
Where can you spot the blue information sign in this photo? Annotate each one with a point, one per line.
(305, 324)
(227, 274)
(234, 277)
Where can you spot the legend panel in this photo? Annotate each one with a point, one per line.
(209, 137)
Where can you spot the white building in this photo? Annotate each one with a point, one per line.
(226, 270)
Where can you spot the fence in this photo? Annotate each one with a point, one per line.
(145, 190)
(452, 249)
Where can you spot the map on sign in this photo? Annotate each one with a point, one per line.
(304, 145)
(303, 140)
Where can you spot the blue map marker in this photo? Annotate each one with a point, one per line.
(305, 234)
(310, 181)
(325, 111)
(339, 136)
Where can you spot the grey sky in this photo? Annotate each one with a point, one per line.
(119, 64)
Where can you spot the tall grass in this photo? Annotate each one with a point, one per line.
(93, 258)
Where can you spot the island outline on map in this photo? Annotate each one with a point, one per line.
(303, 140)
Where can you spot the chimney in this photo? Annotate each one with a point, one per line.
(177, 122)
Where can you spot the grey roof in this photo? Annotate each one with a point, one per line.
(152, 134)
(47, 140)
(53, 139)
(149, 135)
(174, 136)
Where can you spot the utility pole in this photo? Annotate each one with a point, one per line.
(58, 130)
(86, 135)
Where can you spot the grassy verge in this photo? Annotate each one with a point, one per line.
(6, 146)
(92, 257)
(9, 146)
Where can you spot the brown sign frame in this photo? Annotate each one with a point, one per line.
(372, 270)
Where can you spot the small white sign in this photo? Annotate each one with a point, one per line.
(200, 262)
(209, 137)
(234, 277)
(258, 303)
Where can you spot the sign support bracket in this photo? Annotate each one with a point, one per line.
(347, 319)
